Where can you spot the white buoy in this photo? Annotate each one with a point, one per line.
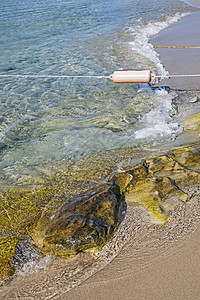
(132, 76)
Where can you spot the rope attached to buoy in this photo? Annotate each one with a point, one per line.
(177, 47)
(120, 76)
(177, 76)
(51, 76)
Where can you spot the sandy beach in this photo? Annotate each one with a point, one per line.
(172, 276)
(182, 60)
(174, 273)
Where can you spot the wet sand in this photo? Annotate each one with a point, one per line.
(184, 33)
(172, 276)
(193, 2)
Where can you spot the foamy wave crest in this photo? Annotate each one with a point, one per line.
(159, 121)
(142, 35)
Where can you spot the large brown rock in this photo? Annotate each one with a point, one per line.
(85, 223)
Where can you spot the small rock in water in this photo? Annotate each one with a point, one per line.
(194, 99)
(25, 252)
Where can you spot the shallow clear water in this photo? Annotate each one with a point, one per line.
(46, 121)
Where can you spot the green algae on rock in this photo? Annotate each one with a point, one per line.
(23, 209)
(19, 211)
(7, 251)
(160, 178)
(192, 123)
(85, 223)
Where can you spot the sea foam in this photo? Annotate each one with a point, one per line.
(158, 122)
(142, 34)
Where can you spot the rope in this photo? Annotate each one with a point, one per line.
(177, 75)
(177, 47)
(51, 76)
(88, 76)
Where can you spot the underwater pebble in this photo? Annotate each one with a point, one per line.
(194, 99)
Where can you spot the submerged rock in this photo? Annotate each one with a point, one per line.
(194, 99)
(55, 224)
(85, 223)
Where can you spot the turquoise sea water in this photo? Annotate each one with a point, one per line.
(47, 121)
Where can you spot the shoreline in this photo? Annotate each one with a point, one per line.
(136, 250)
(196, 3)
(136, 245)
(149, 280)
(174, 273)
(155, 273)
(183, 61)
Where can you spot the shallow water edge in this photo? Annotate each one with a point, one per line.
(168, 211)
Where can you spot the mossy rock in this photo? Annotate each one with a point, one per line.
(192, 123)
(165, 176)
(88, 218)
(145, 193)
(7, 251)
(85, 223)
(122, 180)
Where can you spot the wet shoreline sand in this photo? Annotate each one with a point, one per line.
(164, 273)
(180, 61)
